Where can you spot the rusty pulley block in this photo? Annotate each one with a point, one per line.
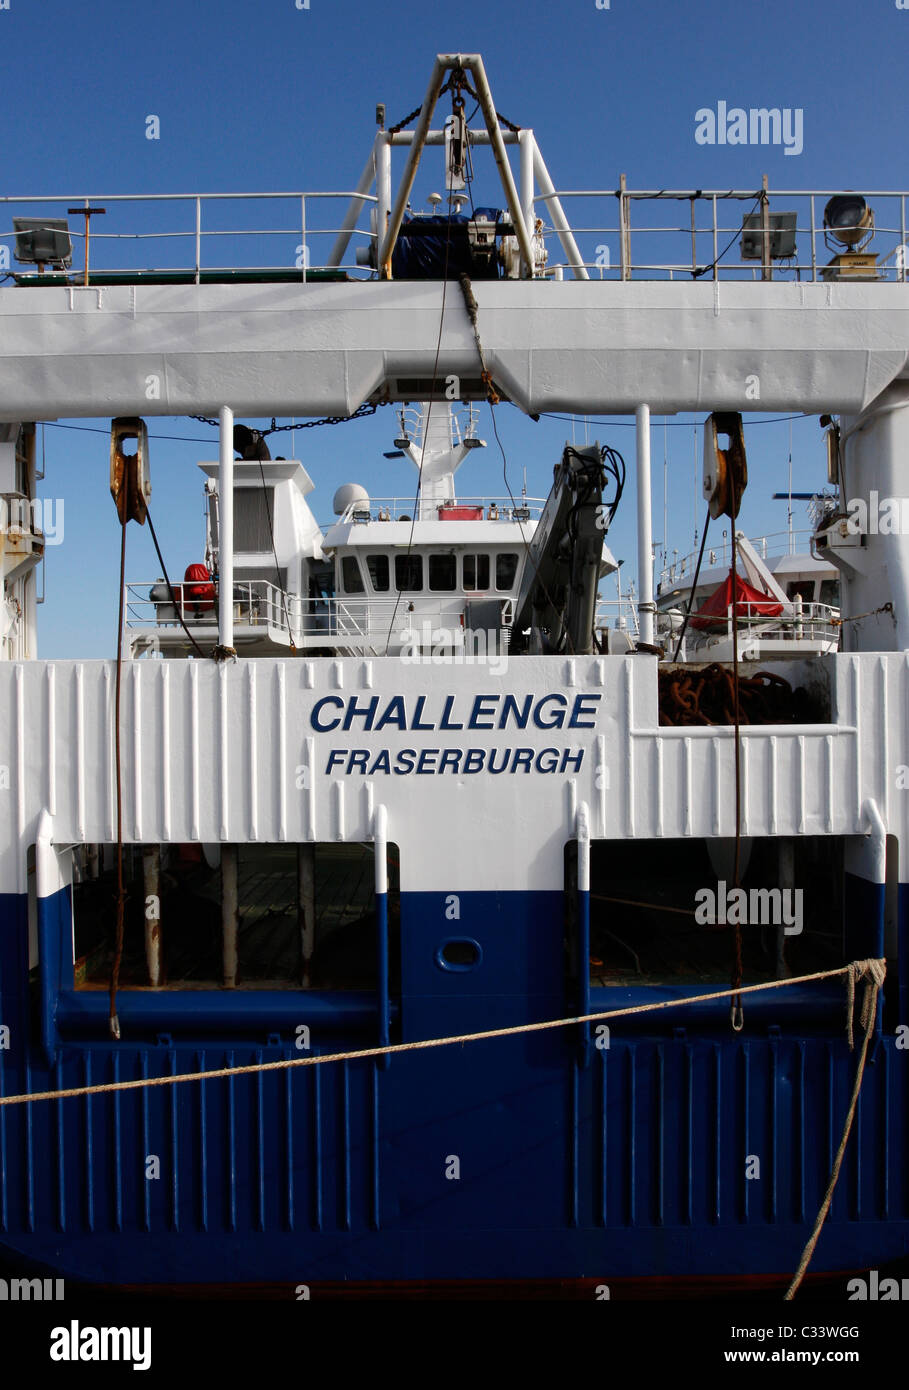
(130, 481)
(725, 470)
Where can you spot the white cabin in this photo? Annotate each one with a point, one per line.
(430, 572)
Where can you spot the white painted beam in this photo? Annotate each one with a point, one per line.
(314, 349)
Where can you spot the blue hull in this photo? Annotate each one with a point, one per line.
(574, 1161)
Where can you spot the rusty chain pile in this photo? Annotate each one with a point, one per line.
(707, 696)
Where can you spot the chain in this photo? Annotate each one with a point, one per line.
(394, 129)
(367, 408)
(502, 120)
(456, 82)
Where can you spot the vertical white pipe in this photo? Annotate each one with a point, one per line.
(557, 214)
(383, 186)
(226, 537)
(354, 209)
(645, 525)
(526, 144)
(380, 834)
(28, 648)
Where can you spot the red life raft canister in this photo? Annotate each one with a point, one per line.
(198, 588)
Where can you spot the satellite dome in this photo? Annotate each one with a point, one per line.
(348, 493)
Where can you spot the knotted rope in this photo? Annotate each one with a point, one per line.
(873, 973)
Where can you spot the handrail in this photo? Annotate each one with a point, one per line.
(262, 604)
(302, 229)
(372, 505)
(695, 247)
(781, 543)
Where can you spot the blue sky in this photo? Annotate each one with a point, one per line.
(266, 96)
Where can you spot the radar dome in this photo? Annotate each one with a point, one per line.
(349, 493)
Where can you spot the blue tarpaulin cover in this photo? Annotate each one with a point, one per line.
(422, 257)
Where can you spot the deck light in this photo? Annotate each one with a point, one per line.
(43, 241)
(849, 221)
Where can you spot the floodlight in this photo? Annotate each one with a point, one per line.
(781, 226)
(43, 241)
(849, 221)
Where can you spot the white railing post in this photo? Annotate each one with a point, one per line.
(198, 238)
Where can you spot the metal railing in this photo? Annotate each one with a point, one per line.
(620, 233)
(259, 604)
(524, 509)
(644, 244)
(420, 623)
(240, 248)
(464, 418)
(620, 614)
(770, 546)
(809, 622)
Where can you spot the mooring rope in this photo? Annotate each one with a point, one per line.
(873, 971)
(860, 968)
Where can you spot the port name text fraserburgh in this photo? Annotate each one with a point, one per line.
(370, 762)
(373, 715)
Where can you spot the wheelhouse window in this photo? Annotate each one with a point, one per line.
(377, 568)
(476, 572)
(408, 572)
(506, 569)
(443, 572)
(351, 576)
